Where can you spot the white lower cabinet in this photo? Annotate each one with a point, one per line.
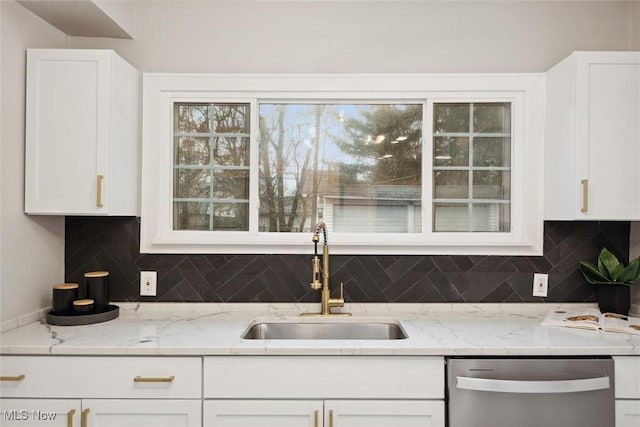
(40, 412)
(627, 413)
(319, 413)
(249, 391)
(142, 413)
(323, 391)
(100, 413)
(627, 391)
(101, 391)
(384, 413)
(263, 413)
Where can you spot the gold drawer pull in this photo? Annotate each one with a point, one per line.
(70, 415)
(331, 418)
(315, 418)
(14, 378)
(140, 379)
(99, 191)
(84, 418)
(585, 195)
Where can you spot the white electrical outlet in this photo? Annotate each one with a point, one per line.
(148, 283)
(540, 284)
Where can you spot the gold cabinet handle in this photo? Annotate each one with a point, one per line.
(585, 195)
(140, 379)
(70, 415)
(315, 418)
(13, 378)
(99, 191)
(330, 417)
(85, 417)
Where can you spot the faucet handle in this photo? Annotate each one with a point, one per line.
(338, 302)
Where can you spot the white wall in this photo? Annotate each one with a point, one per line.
(282, 36)
(379, 36)
(634, 17)
(31, 248)
(359, 36)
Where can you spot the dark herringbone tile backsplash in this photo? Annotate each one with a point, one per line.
(113, 244)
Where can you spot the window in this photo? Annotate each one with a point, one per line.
(392, 164)
(211, 167)
(471, 167)
(357, 167)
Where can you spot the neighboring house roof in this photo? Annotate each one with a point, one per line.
(373, 192)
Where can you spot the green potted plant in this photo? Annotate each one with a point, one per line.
(613, 281)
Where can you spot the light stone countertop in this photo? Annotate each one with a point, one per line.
(215, 329)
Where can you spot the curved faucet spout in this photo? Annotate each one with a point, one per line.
(316, 234)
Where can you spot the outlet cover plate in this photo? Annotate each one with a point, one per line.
(148, 283)
(540, 284)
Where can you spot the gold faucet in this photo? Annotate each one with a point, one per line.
(326, 301)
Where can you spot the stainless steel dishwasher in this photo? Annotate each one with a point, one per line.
(531, 392)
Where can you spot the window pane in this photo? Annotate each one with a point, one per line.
(491, 151)
(491, 185)
(231, 118)
(491, 217)
(231, 216)
(192, 184)
(208, 216)
(451, 184)
(191, 216)
(492, 118)
(450, 151)
(231, 150)
(211, 163)
(344, 164)
(192, 151)
(193, 118)
(231, 184)
(450, 118)
(450, 217)
(486, 128)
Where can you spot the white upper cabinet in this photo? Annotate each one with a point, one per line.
(82, 143)
(592, 141)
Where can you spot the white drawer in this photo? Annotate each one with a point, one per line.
(323, 377)
(101, 377)
(627, 413)
(627, 371)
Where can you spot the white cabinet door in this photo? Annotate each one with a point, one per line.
(336, 413)
(627, 371)
(263, 413)
(592, 141)
(380, 413)
(121, 377)
(627, 413)
(40, 412)
(81, 133)
(141, 413)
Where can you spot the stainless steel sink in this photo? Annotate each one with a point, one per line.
(318, 330)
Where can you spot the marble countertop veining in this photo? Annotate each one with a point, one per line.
(215, 329)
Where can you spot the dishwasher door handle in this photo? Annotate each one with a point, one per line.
(538, 387)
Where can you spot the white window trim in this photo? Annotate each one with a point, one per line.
(526, 91)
